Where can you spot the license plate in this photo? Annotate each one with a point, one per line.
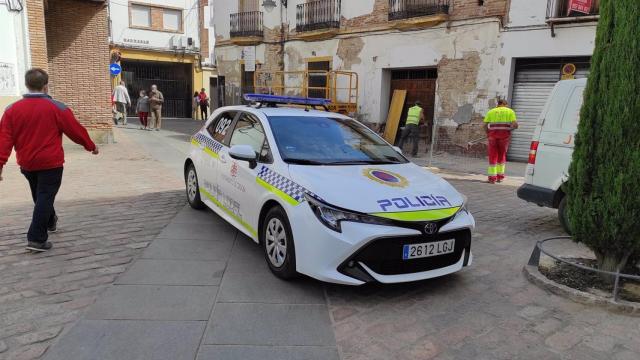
(415, 251)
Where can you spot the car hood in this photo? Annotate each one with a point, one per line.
(381, 189)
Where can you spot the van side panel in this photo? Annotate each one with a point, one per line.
(557, 135)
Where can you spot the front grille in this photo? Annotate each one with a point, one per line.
(384, 255)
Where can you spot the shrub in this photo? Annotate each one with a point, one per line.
(604, 176)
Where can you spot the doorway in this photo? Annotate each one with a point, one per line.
(174, 81)
(420, 85)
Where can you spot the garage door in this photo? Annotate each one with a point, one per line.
(528, 101)
(534, 81)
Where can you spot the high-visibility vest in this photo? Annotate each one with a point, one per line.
(500, 118)
(413, 117)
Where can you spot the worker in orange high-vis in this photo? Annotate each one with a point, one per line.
(498, 124)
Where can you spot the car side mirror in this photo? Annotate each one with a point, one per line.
(244, 153)
(397, 149)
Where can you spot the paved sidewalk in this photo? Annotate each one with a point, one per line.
(110, 207)
(202, 289)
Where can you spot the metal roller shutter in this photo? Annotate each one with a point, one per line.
(528, 101)
(534, 81)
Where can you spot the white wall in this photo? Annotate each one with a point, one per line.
(221, 11)
(527, 12)
(14, 54)
(158, 40)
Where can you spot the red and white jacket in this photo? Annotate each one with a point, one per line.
(34, 126)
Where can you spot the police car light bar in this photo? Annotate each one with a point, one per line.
(277, 99)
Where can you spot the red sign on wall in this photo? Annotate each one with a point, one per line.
(581, 6)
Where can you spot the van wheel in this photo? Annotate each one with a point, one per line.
(277, 242)
(562, 215)
(193, 189)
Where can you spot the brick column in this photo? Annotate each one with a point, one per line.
(78, 54)
(37, 34)
(204, 33)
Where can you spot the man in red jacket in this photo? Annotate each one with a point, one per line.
(34, 126)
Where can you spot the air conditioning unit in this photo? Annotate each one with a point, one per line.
(179, 42)
(175, 42)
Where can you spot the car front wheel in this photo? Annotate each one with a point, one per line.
(192, 187)
(277, 242)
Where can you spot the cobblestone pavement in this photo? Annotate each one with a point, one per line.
(487, 311)
(110, 207)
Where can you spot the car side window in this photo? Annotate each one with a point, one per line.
(221, 125)
(249, 131)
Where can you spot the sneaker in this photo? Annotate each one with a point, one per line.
(39, 247)
(500, 178)
(157, 129)
(53, 227)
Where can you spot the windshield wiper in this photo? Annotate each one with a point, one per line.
(363, 162)
(303, 162)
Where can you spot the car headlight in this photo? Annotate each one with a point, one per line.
(332, 216)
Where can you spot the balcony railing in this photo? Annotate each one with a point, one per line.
(405, 9)
(246, 24)
(557, 9)
(318, 14)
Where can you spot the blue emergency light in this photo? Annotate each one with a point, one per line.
(278, 99)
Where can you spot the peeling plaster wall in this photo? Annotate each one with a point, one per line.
(466, 56)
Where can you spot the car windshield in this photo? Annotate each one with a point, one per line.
(330, 141)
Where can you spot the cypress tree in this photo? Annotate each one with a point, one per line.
(604, 176)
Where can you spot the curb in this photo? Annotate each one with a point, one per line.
(623, 307)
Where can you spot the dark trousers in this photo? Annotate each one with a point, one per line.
(410, 130)
(203, 111)
(44, 186)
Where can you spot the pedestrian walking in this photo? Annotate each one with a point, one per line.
(203, 101)
(195, 105)
(34, 126)
(142, 108)
(155, 103)
(415, 116)
(123, 101)
(498, 124)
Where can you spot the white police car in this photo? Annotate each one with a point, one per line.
(325, 196)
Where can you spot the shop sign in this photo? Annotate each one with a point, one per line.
(581, 6)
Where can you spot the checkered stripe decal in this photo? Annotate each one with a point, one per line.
(283, 184)
(208, 142)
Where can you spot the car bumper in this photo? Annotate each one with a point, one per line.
(538, 195)
(364, 253)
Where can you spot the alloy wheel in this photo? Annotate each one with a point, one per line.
(192, 185)
(276, 242)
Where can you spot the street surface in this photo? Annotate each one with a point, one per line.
(122, 258)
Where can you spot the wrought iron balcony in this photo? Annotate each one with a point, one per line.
(318, 14)
(567, 9)
(246, 24)
(406, 9)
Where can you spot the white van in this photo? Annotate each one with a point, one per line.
(552, 146)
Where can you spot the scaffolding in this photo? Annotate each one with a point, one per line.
(340, 87)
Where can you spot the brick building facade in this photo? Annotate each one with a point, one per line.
(75, 52)
(445, 53)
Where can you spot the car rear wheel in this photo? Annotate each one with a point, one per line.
(277, 242)
(562, 215)
(192, 187)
